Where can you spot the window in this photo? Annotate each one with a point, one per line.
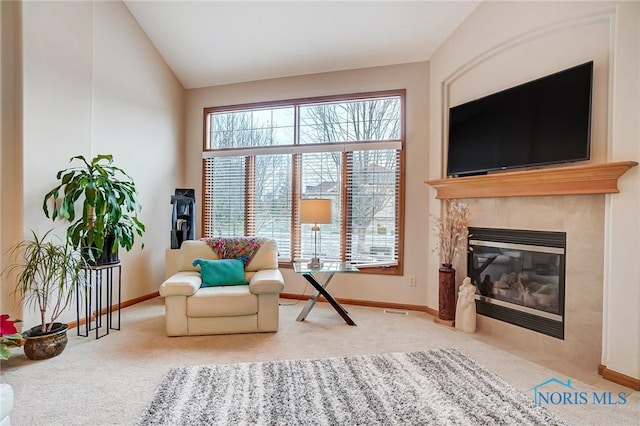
(261, 159)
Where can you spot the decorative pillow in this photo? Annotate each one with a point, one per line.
(220, 272)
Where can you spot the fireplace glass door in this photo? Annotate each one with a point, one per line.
(519, 276)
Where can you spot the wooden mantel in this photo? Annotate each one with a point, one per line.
(573, 180)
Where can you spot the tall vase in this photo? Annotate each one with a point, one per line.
(447, 294)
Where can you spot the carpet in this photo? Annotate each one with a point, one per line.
(435, 387)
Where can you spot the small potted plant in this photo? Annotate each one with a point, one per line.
(48, 273)
(110, 207)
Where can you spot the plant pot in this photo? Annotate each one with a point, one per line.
(446, 293)
(95, 257)
(40, 345)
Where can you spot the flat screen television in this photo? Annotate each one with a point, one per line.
(544, 121)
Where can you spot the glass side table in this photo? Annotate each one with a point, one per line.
(328, 269)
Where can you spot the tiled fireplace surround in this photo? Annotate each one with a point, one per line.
(582, 218)
(562, 199)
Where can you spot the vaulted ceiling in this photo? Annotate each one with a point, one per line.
(208, 43)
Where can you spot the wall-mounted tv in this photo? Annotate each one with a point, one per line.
(544, 121)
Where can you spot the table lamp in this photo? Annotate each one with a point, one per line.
(315, 211)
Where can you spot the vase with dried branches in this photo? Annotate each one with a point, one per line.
(452, 231)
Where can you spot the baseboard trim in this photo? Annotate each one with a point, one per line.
(369, 303)
(619, 378)
(114, 308)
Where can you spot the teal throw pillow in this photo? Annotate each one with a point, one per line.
(220, 272)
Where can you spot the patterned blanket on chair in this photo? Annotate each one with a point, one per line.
(242, 248)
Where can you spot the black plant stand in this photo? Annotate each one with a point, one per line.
(99, 290)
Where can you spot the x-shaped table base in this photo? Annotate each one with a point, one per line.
(321, 290)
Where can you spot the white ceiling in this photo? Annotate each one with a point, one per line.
(208, 43)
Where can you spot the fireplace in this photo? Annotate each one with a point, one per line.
(519, 276)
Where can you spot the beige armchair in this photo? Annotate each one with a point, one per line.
(194, 310)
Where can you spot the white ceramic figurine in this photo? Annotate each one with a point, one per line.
(466, 307)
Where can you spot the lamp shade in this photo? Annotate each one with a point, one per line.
(315, 210)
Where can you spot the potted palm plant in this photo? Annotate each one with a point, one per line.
(48, 272)
(110, 207)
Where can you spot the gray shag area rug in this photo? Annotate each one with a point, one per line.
(435, 387)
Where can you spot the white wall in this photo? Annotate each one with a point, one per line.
(412, 77)
(504, 43)
(138, 115)
(94, 84)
